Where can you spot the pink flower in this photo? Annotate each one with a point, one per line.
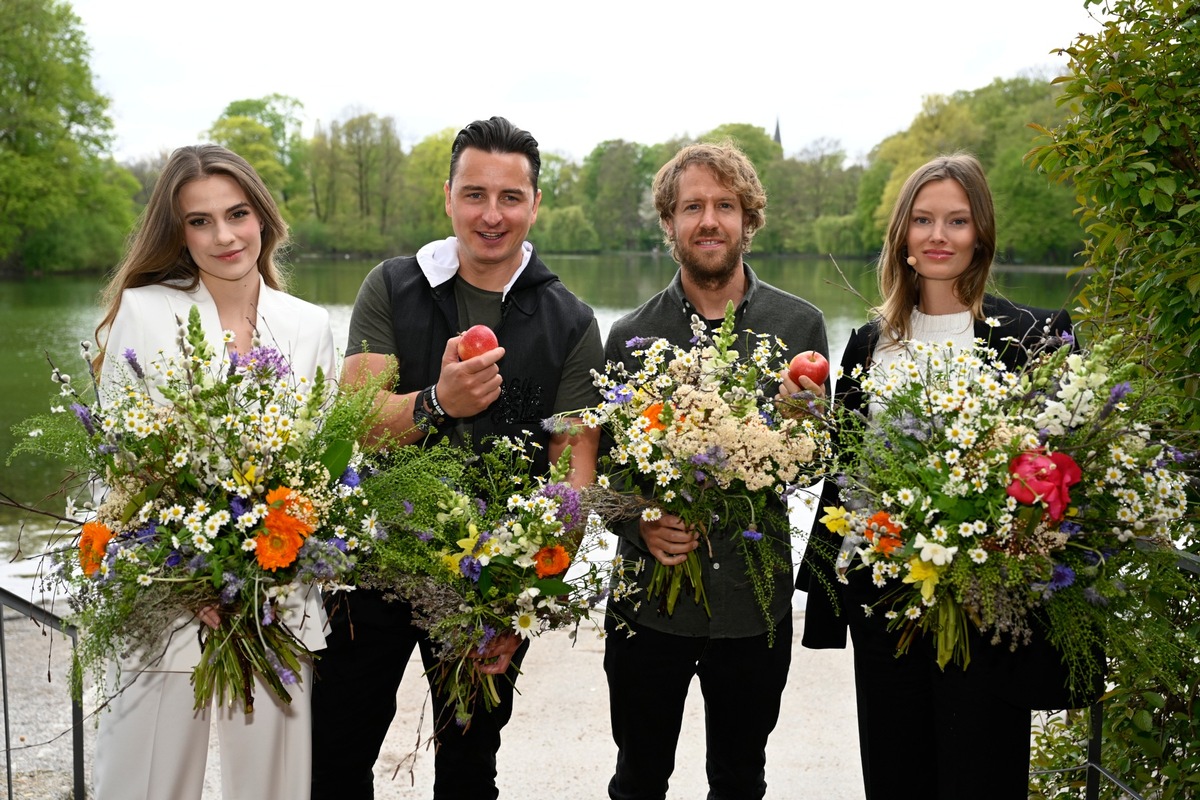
(1048, 478)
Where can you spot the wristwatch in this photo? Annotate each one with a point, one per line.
(428, 414)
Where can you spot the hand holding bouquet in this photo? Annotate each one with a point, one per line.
(981, 495)
(224, 484)
(697, 434)
(482, 550)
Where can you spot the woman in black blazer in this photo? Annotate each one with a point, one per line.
(950, 734)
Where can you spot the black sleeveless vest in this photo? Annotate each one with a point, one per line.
(541, 323)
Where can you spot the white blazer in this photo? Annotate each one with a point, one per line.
(299, 330)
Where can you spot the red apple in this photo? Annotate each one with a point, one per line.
(811, 364)
(476, 340)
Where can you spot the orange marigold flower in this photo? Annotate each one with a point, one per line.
(275, 549)
(551, 560)
(654, 414)
(883, 533)
(92, 545)
(288, 512)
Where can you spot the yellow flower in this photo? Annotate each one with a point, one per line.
(924, 573)
(835, 520)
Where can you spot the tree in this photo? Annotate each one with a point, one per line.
(252, 140)
(564, 230)
(424, 201)
(54, 132)
(613, 181)
(752, 140)
(280, 115)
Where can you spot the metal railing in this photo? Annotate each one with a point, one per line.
(42, 617)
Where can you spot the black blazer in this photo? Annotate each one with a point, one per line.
(825, 620)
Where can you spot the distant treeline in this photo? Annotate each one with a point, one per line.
(352, 187)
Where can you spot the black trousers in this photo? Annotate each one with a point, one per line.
(935, 734)
(648, 677)
(354, 701)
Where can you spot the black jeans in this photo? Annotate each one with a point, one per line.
(354, 701)
(648, 677)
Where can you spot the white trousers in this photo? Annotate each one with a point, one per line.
(153, 745)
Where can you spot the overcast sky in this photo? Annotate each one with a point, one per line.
(574, 74)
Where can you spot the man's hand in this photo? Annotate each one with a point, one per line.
(668, 540)
(466, 388)
(495, 658)
(791, 406)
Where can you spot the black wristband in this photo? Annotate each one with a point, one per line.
(434, 405)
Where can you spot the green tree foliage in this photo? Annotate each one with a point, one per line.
(280, 115)
(252, 140)
(752, 140)
(56, 184)
(1129, 150)
(564, 230)
(614, 182)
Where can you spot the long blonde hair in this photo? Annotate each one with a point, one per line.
(157, 251)
(899, 284)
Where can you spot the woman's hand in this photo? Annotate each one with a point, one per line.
(209, 616)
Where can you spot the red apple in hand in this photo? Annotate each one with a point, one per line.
(811, 364)
(476, 340)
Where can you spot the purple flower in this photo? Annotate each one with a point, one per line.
(425, 536)
(286, 676)
(350, 478)
(106, 449)
(481, 504)
(263, 363)
(470, 567)
(619, 394)
(1062, 577)
(568, 503)
(131, 359)
(489, 633)
(1070, 528)
(237, 506)
(233, 585)
(408, 507)
(1094, 597)
(339, 544)
(85, 417)
(638, 341)
(268, 612)
(173, 558)
(752, 535)
(197, 562)
(1114, 396)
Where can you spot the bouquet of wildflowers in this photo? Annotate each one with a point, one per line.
(696, 434)
(210, 483)
(480, 548)
(982, 495)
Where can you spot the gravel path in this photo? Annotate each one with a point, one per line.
(557, 746)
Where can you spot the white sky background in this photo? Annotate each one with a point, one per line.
(573, 74)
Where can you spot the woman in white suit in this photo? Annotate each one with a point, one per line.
(208, 238)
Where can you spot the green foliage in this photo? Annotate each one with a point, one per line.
(53, 132)
(1129, 149)
(565, 230)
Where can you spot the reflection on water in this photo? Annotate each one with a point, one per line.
(49, 317)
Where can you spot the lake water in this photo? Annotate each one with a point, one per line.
(47, 318)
